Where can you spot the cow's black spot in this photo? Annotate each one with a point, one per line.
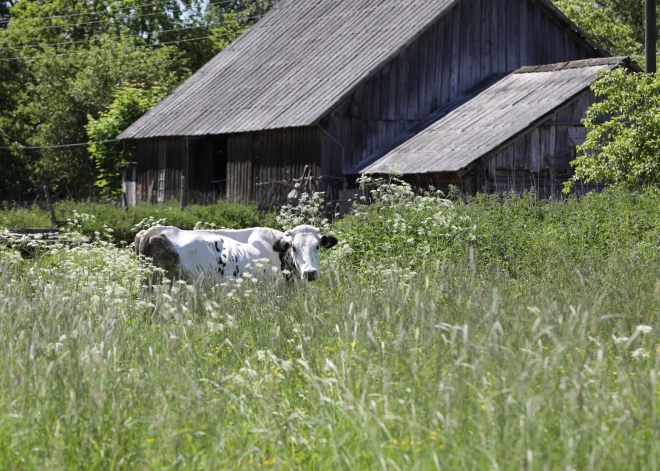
(222, 259)
(327, 242)
(237, 271)
(281, 246)
(287, 263)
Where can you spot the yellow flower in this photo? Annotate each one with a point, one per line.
(232, 407)
(483, 407)
(250, 461)
(395, 442)
(151, 440)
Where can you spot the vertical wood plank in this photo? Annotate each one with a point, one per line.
(456, 50)
(535, 151)
(521, 154)
(384, 93)
(447, 58)
(431, 97)
(413, 81)
(544, 140)
(552, 149)
(513, 34)
(537, 40)
(475, 54)
(393, 89)
(524, 33)
(402, 87)
(486, 39)
(367, 97)
(422, 82)
(500, 29)
(548, 31)
(375, 99)
(440, 63)
(465, 66)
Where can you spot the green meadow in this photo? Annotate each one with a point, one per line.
(445, 333)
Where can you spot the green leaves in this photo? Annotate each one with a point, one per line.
(73, 62)
(623, 140)
(615, 25)
(130, 102)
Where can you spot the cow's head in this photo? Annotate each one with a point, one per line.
(299, 251)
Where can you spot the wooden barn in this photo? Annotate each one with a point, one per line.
(518, 132)
(433, 87)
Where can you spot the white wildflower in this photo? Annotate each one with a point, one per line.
(640, 353)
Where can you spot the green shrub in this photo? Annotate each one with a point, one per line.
(123, 223)
(520, 234)
(20, 218)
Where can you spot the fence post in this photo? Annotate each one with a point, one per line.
(49, 206)
(183, 193)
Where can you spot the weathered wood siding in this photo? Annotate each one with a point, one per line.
(259, 157)
(469, 183)
(202, 161)
(153, 157)
(540, 157)
(476, 40)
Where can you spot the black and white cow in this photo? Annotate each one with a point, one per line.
(190, 255)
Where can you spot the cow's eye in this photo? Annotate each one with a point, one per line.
(294, 249)
(317, 247)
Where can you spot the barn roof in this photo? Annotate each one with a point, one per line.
(296, 64)
(453, 138)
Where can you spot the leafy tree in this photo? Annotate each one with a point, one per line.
(614, 24)
(62, 93)
(74, 60)
(130, 102)
(623, 140)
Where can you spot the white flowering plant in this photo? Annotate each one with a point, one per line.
(392, 225)
(309, 210)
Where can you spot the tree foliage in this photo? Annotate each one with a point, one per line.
(66, 62)
(130, 102)
(623, 140)
(617, 25)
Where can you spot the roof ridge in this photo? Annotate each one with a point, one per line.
(581, 64)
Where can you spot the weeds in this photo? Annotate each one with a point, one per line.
(525, 338)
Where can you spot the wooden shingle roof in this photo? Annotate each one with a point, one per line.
(295, 65)
(450, 141)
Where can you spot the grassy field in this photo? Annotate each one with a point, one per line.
(514, 334)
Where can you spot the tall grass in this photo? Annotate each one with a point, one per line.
(453, 361)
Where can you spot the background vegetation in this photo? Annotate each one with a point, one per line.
(512, 334)
(124, 224)
(72, 72)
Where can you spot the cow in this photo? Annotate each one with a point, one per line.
(190, 255)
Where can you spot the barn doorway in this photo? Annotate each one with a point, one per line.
(207, 169)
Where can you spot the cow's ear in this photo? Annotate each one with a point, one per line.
(281, 246)
(327, 242)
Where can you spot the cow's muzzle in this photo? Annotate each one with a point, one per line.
(311, 275)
